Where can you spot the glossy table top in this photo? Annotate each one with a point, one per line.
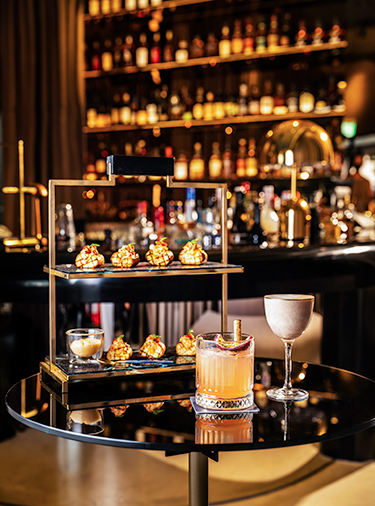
(155, 413)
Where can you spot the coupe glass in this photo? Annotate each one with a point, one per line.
(288, 316)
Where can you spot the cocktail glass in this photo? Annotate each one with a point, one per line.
(288, 316)
(85, 346)
(224, 371)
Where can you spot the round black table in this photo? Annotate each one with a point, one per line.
(154, 413)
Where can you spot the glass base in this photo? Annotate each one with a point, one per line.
(217, 403)
(285, 394)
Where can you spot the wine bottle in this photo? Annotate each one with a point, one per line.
(224, 44)
(168, 50)
(273, 33)
(155, 51)
(239, 235)
(249, 37)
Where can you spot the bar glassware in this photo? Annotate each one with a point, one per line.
(288, 316)
(85, 346)
(224, 371)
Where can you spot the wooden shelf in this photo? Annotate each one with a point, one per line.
(167, 4)
(238, 120)
(215, 60)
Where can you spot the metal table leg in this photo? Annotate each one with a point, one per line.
(198, 479)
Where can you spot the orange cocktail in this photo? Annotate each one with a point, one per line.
(224, 371)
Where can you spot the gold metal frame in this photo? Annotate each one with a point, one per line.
(216, 268)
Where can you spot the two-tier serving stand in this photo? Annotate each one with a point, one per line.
(56, 373)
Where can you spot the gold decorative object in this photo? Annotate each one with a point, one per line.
(37, 190)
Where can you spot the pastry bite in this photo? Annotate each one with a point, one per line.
(126, 256)
(154, 407)
(119, 350)
(186, 345)
(89, 257)
(159, 254)
(153, 347)
(186, 403)
(119, 411)
(192, 254)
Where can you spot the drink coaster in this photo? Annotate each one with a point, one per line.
(200, 411)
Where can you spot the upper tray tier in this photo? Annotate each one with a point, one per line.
(143, 269)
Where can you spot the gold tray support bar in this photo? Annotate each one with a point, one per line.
(52, 184)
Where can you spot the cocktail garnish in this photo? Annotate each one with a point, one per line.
(231, 345)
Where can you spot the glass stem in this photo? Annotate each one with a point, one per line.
(288, 365)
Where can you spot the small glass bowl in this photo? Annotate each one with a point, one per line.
(84, 346)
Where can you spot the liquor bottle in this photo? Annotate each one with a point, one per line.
(306, 100)
(117, 53)
(273, 33)
(141, 117)
(318, 34)
(96, 62)
(228, 165)
(257, 236)
(163, 103)
(141, 53)
(280, 107)
(189, 206)
(182, 53)
(241, 158)
(107, 56)
(269, 219)
(131, 5)
(321, 106)
(174, 106)
(128, 52)
(155, 51)
(181, 167)
(336, 34)
(294, 216)
(261, 35)
(208, 106)
(238, 235)
(215, 163)
(196, 166)
(285, 35)
(142, 225)
(152, 113)
(243, 108)
(254, 101)
(237, 40)
(301, 37)
(143, 4)
(197, 47)
(94, 7)
(168, 50)
(186, 104)
(224, 44)
(125, 110)
(251, 165)
(105, 6)
(231, 106)
(211, 47)
(292, 99)
(218, 109)
(134, 110)
(198, 106)
(115, 109)
(116, 5)
(267, 100)
(249, 37)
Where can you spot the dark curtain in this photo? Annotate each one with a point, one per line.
(42, 94)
